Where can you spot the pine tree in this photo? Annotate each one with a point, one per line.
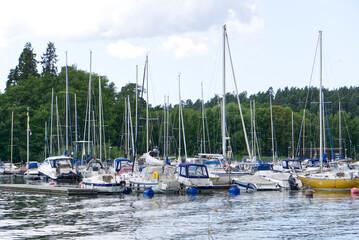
(27, 63)
(49, 59)
(13, 77)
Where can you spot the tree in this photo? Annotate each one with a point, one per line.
(27, 63)
(49, 60)
(13, 77)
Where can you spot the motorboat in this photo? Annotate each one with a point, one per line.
(284, 177)
(58, 168)
(194, 175)
(10, 168)
(32, 170)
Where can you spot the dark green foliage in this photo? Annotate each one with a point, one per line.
(49, 60)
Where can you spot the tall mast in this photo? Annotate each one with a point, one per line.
(76, 123)
(89, 107)
(12, 137)
(52, 113)
(293, 135)
(93, 135)
(224, 143)
(27, 136)
(67, 108)
(100, 114)
(321, 107)
(130, 120)
(147, 120)
(271, 124)
(203, 128)
(340, 132)
(179, 117)
(168, 121)
(136, 103)
(57, 127)
(125, 121)
(164, 127)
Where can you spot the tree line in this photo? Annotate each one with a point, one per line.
(26, 87)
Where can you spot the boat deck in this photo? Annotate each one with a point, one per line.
(38, 189)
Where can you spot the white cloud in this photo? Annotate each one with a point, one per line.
(84, 20)
(183, 47)
(124, 50)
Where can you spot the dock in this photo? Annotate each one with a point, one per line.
(44, 189)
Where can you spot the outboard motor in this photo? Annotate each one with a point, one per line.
(293, 183)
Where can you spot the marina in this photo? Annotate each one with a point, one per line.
(217, 215)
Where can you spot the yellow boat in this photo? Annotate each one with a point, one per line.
(332, 181)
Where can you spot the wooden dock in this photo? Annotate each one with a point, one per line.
(69, 191)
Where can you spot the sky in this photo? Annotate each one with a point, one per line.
(272, 43)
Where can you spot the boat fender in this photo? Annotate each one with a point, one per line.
(149, 192)
(155, 175)
(192, 191)
(234, 191)
(354, 191)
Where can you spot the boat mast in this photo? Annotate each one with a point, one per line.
(340, 132)
(320, 108)
(100, 115)
(89, 107)
(292, 135)
(203, 128)
(168, 124)
(179, 118)
(12, 138)
(271, 124)
(147, 120)
(164, 127)
(27, 137)
(57, 126)
(136, 105)
(52, 113)
(224, 143)
(125, 121)
(130, 120)
(75, 123)
(67, 108)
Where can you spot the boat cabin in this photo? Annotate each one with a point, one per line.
(120, 163)
(291, 164)
(192, 170)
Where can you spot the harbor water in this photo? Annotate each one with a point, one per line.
(219, 215)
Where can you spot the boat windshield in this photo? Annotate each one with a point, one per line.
(197, 171)
(62, 163)
(291, 164)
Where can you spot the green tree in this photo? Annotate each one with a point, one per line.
(49, 60)
(27, 63)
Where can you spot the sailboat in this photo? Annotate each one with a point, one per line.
(338, 179)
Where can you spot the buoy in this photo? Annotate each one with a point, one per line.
(149, 192)
(51, 183)
(309, 192)
(234, 191)
(354, 191)
(192, 191)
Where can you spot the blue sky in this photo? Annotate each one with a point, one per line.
(272, 42)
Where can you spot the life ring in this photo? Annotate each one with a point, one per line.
(155, 175)
(227, 169)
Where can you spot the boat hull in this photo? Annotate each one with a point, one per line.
(337, 184)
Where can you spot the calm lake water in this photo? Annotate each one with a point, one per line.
(265, 215)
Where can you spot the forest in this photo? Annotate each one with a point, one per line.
(26, 87)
